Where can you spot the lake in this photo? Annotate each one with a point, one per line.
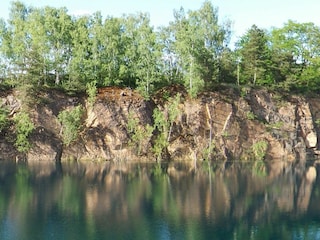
(151, 201)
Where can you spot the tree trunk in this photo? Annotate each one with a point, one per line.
(238, 74)
(57, 81)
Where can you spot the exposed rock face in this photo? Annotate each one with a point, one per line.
(46, 146)
(235, 125)
(106, 136)
(221, 125)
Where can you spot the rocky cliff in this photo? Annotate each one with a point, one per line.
(227, 124)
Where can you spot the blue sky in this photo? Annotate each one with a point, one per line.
(243, 13)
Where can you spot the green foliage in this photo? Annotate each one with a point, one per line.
(173, 110)
(48, 47)
(166, 96)
(23, 128)
(250, 115)
(4, 121)
(276, 125)
(163, 122)
(199, 46)
(254, 54)
(317, 122)
(225, 134)
(209, 150)
(71, 124)
(147, 54)
(91, 89)
(132, 122)
(244, 91)
(28, 95)
(296, 46)
(137, 132)
(259, 149)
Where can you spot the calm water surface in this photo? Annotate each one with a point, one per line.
(138, 201)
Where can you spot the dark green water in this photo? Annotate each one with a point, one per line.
(119, 201)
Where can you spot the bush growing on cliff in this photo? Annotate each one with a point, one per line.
(91, 89)
(71, 124)
(163, 122)
(208, 151)
(28, 94)
(138, 132)
(259, 149)
(3, 118)
(23, 128)
(173, 112)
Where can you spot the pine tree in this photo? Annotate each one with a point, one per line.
(254, 55)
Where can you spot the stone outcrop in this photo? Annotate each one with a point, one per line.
(105, 135)
(225, 124)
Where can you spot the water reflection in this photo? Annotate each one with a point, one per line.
(147, 201)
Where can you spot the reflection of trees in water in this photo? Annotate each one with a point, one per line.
(132, 195)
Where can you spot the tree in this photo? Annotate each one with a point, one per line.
(148, 56)
(86, 64)
(130, 43)
(96, 42)
(139, 65)
(228, 67)
(58, 25)
(216, 38)
(199, 44)
(187, 40)
(37, 55)
(168, 65)
(299, 44)
(80, 53)
(70, 120)
(254, 57)
(163, 123)
(5, 39)
(113, 51)
(23, 128)
(16, 44)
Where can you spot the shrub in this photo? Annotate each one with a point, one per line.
(160, 123)
(28, 95)
(23, 128)
(138, 132)
(259, 149)
(276, 125)
(71, 124)
(3, 118)
(163, 122)
(91, 90)
(209, 150)
(250, 115)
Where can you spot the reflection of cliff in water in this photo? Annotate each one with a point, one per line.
(131, 194)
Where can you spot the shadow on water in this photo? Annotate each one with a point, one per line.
(152, 201)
